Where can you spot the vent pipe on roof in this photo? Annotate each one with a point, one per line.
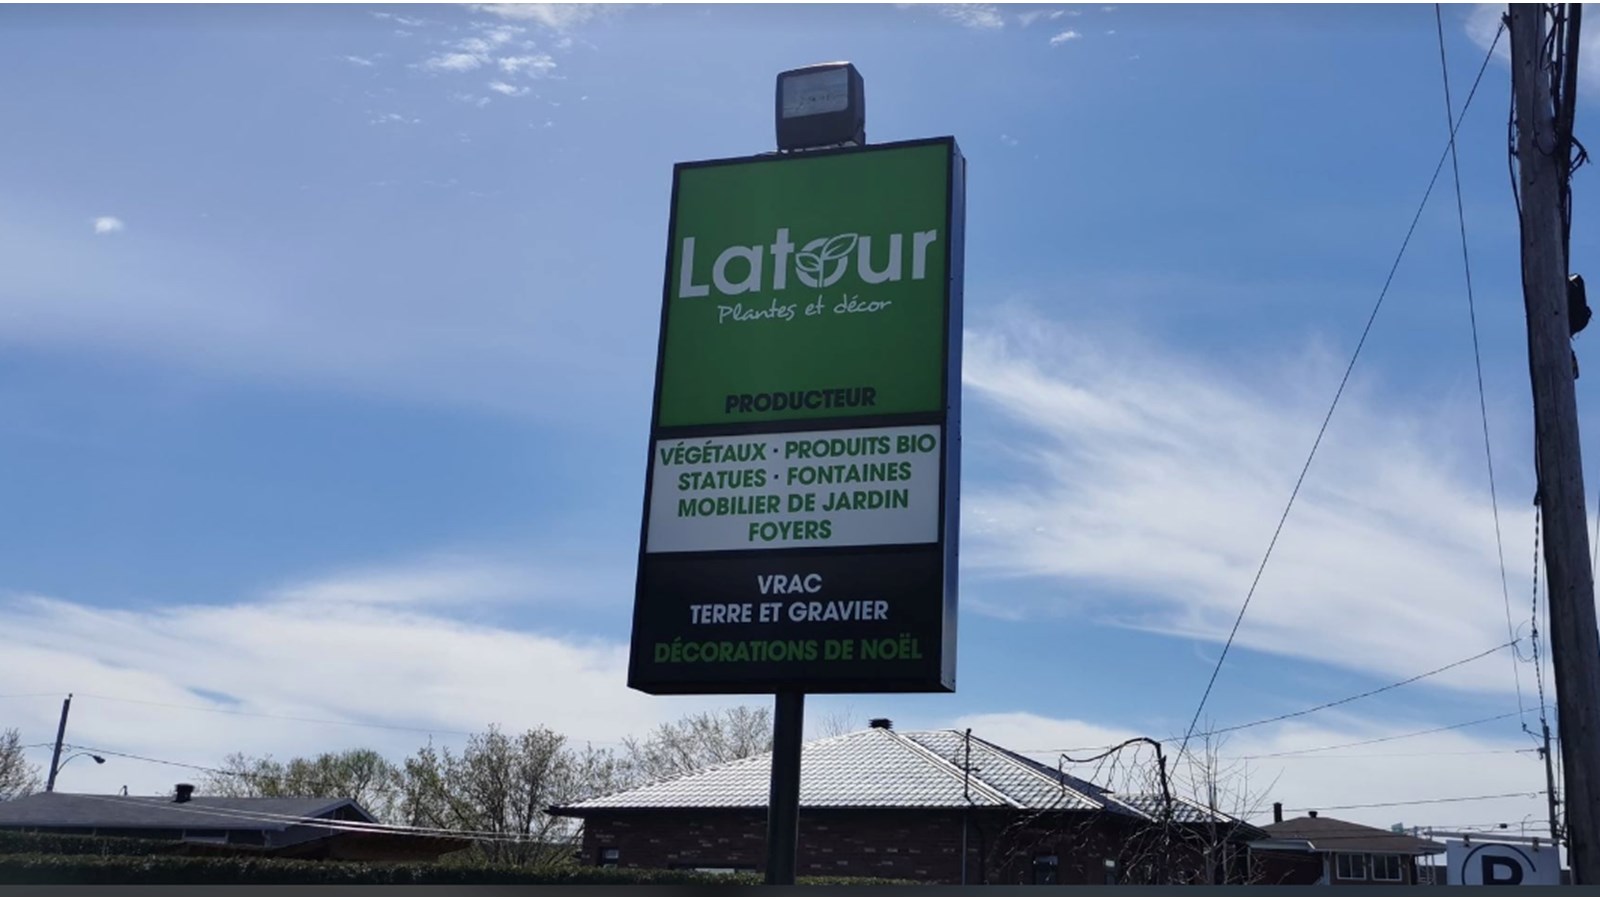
(1277, 813)
(1312, 813)
(182, 793)
(880, 723)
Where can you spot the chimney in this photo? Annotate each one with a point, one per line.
(880, 723)
(1277, 813)
(182, 793)
(1312, 814)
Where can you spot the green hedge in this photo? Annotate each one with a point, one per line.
(12, 842)
(61, 868)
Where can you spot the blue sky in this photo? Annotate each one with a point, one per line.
(327, 337)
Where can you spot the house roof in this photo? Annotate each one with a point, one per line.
(58, 810)
(882, 768)
(877, 767)
(1185, 812)
(1321, 834)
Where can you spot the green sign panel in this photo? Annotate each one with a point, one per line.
(808, 287)
(800, 513)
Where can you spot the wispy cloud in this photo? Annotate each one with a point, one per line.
(407, 21)
(1145, 486)
(556, 16)
(390, 646)
(533, 65)
(509, 90)
(979, 16)
(108, 225)
(1034, 15)
(444, 581)
(393, 119)
(454, 62)
(484, 49)
(357, 60)
(1063, 37)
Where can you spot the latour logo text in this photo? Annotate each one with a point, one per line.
(818, 263)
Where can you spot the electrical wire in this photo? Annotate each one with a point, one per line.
(1429, 755)
(1339, 393)
(1419, 802)
(1381, 740)
(1477, 355)
(1308, 710)
(1538, 665)
(1361, 696)
(164, 762)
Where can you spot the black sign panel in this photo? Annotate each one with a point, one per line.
(834, 621)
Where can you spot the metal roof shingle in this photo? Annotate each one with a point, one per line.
(877, 767)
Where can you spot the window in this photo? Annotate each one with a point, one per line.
(1351, 867)
(1387, 868)
(1046, 870)
(609, 857)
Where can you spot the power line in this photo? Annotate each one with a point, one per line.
(1382, 740)
(1538, 664)
(1477, 356)
(1318, 708)
(1361, 696)
(1420, 802)
(165, 762)
(1430, 755)
(1326, 419)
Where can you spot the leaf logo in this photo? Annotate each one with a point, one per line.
(812, 262)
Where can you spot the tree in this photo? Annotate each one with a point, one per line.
(18, 778)
(361, 775)
(500, 787)
(838, 722)
(699, 740)
(1222, 786)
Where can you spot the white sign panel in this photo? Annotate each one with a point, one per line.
(839, 488)
(1489, 863)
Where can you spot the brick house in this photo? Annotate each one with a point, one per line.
(1315, 849)
(289, 827)
(931, 806)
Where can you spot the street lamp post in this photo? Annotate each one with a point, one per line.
(98, 760)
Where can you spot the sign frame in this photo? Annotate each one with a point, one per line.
(940, 678)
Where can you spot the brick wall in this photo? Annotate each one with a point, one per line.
(921, 845)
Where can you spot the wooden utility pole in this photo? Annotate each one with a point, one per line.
(1574, 641)
(55, 758)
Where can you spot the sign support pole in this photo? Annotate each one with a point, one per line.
(783, 798)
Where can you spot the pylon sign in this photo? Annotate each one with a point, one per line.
(801, 499)
(1486, 861)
